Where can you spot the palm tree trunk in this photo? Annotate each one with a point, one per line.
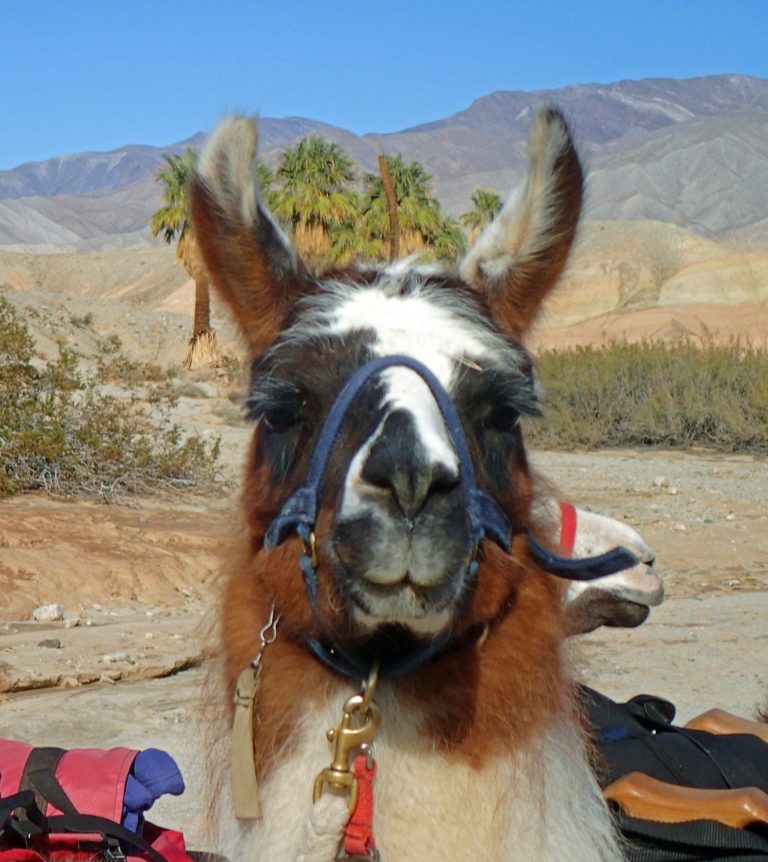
(202, 351)
(202, 321)
(394, 221)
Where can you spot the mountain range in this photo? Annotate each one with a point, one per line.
(674, 243)
(693, 153)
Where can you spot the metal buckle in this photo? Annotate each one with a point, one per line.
(113, 851)
(310, 549)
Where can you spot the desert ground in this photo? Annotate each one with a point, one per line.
(137, 584)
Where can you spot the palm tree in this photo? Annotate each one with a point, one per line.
(450, 242)
(314, 196)
(173, 222)
(417, 209)
(487, 205)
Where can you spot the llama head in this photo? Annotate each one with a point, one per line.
(394, 543)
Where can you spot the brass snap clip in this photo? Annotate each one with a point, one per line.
(358, 727)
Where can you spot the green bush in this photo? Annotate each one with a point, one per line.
(60, 433)
(654, 394)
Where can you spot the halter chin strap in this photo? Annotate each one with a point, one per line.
(486, 518)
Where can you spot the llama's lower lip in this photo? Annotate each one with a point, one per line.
(426, 610)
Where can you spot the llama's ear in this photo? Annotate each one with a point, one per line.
(249, 259)
(517, 260)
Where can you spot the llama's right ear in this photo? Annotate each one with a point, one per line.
(518, 258)
(249, 259)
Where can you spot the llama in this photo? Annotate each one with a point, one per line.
(622, 599)
(414, 544)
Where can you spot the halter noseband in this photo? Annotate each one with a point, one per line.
(486, 518)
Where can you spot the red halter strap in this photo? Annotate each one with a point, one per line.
(567, 528)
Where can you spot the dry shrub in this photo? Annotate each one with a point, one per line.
(60, 433)
(113, 366)
(654, 394)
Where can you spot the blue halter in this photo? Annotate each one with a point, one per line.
(486, 518)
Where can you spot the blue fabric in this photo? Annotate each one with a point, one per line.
(583, 568)
(153, 774)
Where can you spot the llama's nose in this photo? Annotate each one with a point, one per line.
(399, 462)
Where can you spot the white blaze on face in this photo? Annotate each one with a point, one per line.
(413, 326)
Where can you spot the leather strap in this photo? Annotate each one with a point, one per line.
(245, 788)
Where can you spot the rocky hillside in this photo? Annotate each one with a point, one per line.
(675, 241)
(624, 279)
(690, 152)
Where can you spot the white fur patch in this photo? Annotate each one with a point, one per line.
(542, 805)
(413, 326)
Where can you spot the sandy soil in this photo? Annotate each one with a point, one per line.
(126, 665)
(700, 323)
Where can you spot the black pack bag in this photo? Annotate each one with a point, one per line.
(695, 841)
(639, 736)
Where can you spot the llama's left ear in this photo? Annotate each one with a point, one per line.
(517, 260)
(249, 259)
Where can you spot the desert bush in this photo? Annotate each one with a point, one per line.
(113, 366)
(58, 432)
(654, 394)
(82, 321)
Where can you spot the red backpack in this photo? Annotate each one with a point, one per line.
(57, 804)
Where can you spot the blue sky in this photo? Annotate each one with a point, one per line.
(78, 75)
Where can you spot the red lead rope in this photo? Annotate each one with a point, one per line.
(358, 834)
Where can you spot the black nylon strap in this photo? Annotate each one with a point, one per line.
(21, 821)
(47, 787)
(43, 759)
(582, 568)
(85, 823)
(24, 800)
(694, 841)
(342, 661)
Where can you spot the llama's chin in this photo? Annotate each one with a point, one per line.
(426, 613)
(428, 625)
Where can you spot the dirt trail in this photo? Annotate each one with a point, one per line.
(126, 665)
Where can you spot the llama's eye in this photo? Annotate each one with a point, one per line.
(504, 418)
(280, 420)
